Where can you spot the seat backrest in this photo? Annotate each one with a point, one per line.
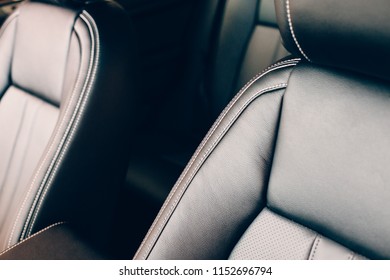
(64, 90)
(296, 166)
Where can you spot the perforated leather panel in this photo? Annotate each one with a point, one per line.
(273, 237)
(330, 170)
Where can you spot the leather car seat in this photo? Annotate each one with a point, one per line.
(65, 97)
(297, 165)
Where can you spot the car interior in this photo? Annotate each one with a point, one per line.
(194, 129)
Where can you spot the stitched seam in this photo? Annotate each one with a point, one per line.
(281, 64)
(245, 87)
(292, 30)
(32, 236)
(52, 163)
(213, 145)
(315, 247)
(55, 157)
(83, 100)
(62, 124)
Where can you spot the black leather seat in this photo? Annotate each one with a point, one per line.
(297, 165)
(65, 97)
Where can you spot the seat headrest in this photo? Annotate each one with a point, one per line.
(348, 34)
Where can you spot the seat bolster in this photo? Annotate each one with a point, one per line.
(96, 150)
(88, 149)
(212, 230)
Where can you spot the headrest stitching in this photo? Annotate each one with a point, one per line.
(292, 30)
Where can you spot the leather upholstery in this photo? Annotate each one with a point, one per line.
(271, 236)
(359, 39)
(56, 242)
(327, 173)
(203, 217)
(344, 124)
(65, 100)
(296, 166)
(33, 68)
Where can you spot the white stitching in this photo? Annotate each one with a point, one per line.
(292, 30)
(46, 157)
(43, 161)
(32, 236)
(54, 159)
(174, 204)
(271, 68)
(87, 90)
(203, 143)
(41, 165)
(316, 243)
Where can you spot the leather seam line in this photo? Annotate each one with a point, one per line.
(282, 64)
(290, 24)
(317, 242)
(32, 236)
(244, 88)
(80, 107)
(182, 190)
(62, 124)
(276, 66)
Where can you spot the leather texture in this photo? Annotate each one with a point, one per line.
(296, 166)
(273, 237)
(204, 202)
(40, 67)
(315, 176)
(27, 123)
(56, 242)
(330, 164)
(65, 143)
(310, 184)
(359, 36)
